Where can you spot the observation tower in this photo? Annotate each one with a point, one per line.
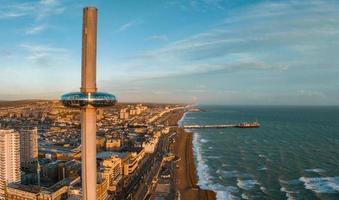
(88, 100)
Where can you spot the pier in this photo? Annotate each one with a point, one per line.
(212, 126)
(241, 125)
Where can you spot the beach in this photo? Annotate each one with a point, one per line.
(186, 178)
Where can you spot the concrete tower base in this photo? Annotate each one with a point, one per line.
(88, 152)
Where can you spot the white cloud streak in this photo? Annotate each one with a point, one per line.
(128, 25)
(36, 9)
(44, 55)
(36, 29)
(267, 36)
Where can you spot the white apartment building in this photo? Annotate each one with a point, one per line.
(9, 159)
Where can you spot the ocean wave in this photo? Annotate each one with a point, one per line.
(264, 156)
(225, 193)
(315, 170)
(181, 121)
(244, 196)
(203, 140)
(290, 182)
(233, 174)
(204, 178)
(289, 194)
(213, 157)
(262, 168)
(247, 184)
(202, 167)
(321, 184)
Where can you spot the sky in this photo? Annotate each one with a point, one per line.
(252, 52)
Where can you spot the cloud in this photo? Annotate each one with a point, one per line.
(36, 29)
(36, 9)
(288, 35)
(128, 25)
(44, 55)
(49, 7)
(16, 10)
(49, 2)
(197, 5)
(274, 48)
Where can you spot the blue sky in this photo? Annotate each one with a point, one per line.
(194, 51)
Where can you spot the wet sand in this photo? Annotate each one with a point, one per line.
(185, 172)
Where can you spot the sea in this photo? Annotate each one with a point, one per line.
(293, 155)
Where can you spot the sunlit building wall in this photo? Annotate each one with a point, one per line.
(28, 146)
(9, 159)
(111, 169)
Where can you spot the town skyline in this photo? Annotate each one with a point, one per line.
(207, 52)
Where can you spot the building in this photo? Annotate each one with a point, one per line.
(113, 144)
(9, 159)
(111, 169)
(58, 191)
(149, 146)
(100, 143)
(129, 160)
(22, 192)
(102, 187)
(136, 154)
(28, 147)
(123, 114)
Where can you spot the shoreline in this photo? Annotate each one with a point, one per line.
(186, 177)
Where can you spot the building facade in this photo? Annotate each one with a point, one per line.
(111, 169)
(28, 147)
(9, 159)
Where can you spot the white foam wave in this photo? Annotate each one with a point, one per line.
(321, 184)
(202, 167)
(244, 196)
(315, 170)
(204, 180)
(203, 140)
(181, 121)
(225, 193)
(264, 156)
(263, 168)
(289, 194)
(213, 157)
(246, 184)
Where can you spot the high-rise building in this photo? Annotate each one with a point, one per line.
(28, 147)
(9, 159)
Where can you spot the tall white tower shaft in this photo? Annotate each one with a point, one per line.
(88, 113)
